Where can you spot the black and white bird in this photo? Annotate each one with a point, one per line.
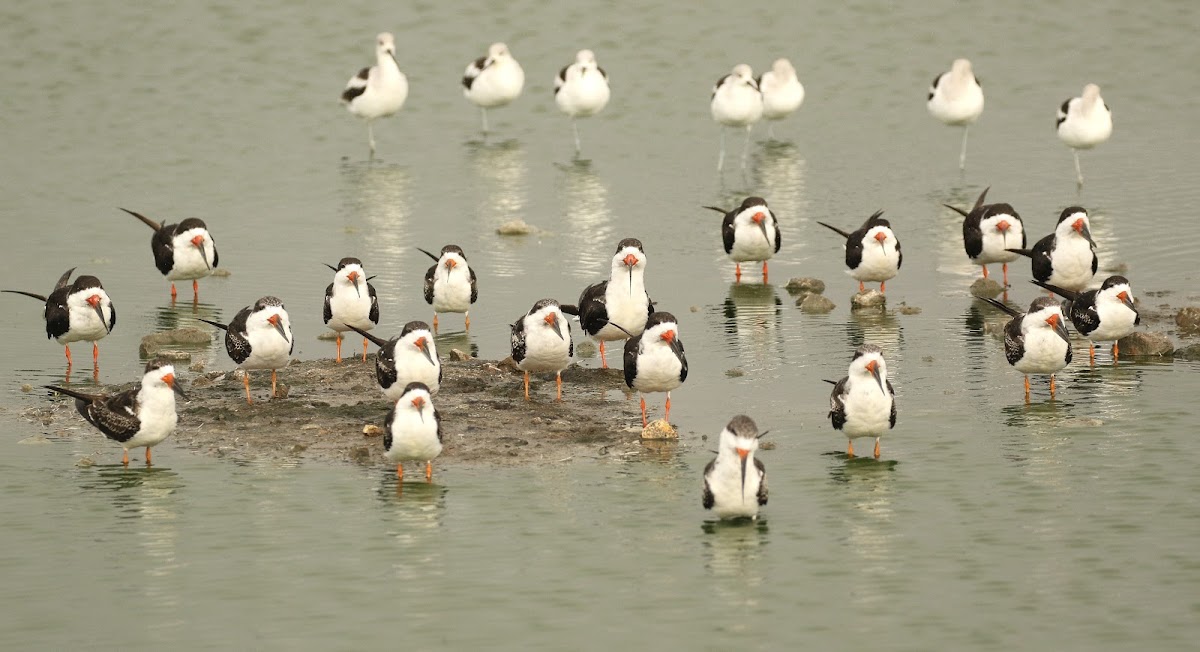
(1084, 122)
(988, 232)
(1036, 342)
(1067, 257)
(782, 93)
(413, 431)
(378, 91)
(654, 360)
(1104, 315)
(735, 482)
(750, 233)
(863, 404)
(736, 102)
(77, 312)
(494, 80)
(581, 90)
(616, 309)
(410, 357)
(350, 301)
(259, 337)
(872, 252)
(140, 417)
(450, 284)
(541, 342)
(956, 99)
(182, 252)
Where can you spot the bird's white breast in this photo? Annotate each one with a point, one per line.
(1045, 352)
(737, 104)
(879, 263)
(780, 97)
(956, 101)
(749, 243)
(995, 244)
(157, 416)
(1071, 264)
(412, 437)
(1085, 129)
(658, 368)
(452, 291)
(498, 84)
(1116, 321)
(582, 95)
(189, 264)
(725, 483)
(544, 349)
(346, 307)
(868, 410)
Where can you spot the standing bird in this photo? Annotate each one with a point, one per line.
(413, 431)
(347, 305)
(182, 252)
(988, 230)
(872, 252)
(409, 358)
(1083, 123)
(1036, 342)
(750, 233)
(450, 284)
(736, 102)
(259, 337)
(143, 416)
(1104, 315)
(956, 99)
(378, 91)
(736, 473)
(1067, 257)
(782, 93)
(539, 344)
(615, 309)
(581, 90)
(654, 360)
(493, 81)
(863, 404)
(75, 312)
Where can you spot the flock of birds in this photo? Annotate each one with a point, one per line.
(407, 366)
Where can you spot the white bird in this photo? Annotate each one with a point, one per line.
(581, 90)
(654, 360)
(1083, 123)
(750, 233)
(956, 99)
(735, 483)
(79, 311)
(782, 93)
(1036, 342)
(493, 81)
(736, 102)
(863, 404)
(413, 431)
(378, 91)
(450, 284)
(259, 337)
(347, 304)
(539, 344)
(866, 261)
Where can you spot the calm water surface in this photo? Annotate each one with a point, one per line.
(989, 524)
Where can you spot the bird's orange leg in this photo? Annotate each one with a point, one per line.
(1026, 388)
(399, 471)
(147, 456)
(1051, 385)
(338, 339)
(876, 448)
(737, 272)
(667, 411)
(861, 287)
(67, 349)
(246, 383)
(364, 349)
(603, 360)
(984, 272)
(1115, 349)
(125, 457)
(849, 448)
(1091, 354)
(435, 322)
(272, 383)
(644, 412)
(95, 353)
(174, 292)
(526, 385)
(764, 271)
(428, 471)
(883, 287)
(1005, 268)
(558, 382)
(467, 321)
(195, 290)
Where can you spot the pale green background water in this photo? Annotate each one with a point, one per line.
(990, 525)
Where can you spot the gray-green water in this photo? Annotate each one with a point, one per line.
(989, 525)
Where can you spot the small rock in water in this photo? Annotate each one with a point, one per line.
(515, 227)
(694, 308)
(815, 304)
(585, 349)
(221, 273)
(735, 373)
(908, 310)
(868, 299)
(153, 343)
(659, 429)
(298, 448)
(328, 336)
(986, 288)
(35, 440)
(197, 366)
(805, 285)
(767, 445)
(1117, 268)
(26, 388)
(174, 355)
(85, 462)
(1146, 344)
(281, 391)
(1190, 352)
(372, 430)
(1188, 319)
(360, 454)
(458, 355)
(508, 364)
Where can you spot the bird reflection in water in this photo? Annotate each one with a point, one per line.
(878, 327)
(461, 340)
(413, 513)
(590, 233)
(781, 182)
(753, 320)
(868, 527)
(376, 203)
(733, 549)
(503, 175)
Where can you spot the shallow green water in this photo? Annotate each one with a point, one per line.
(989, 525)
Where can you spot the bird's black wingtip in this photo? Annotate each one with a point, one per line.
(213, 323)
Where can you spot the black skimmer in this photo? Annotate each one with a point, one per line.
(493, 81)
(409, 358)
(450, 284)
(581, 90)
(413, 431)
(616, 309)
(182, 252)
(347, 304)
(1083, 123)
(863, 404)
(736, 473)
(1067, 257)
(143, 416)
(872, 252)
(77, 312)
(539, 343)
(750, 233)
(988, 230)
(1104, 315)
(654, 360)
(782, 93)
(956, 99)
(736, 102)
(259, 337)
(1036, 342)
(378, 91)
